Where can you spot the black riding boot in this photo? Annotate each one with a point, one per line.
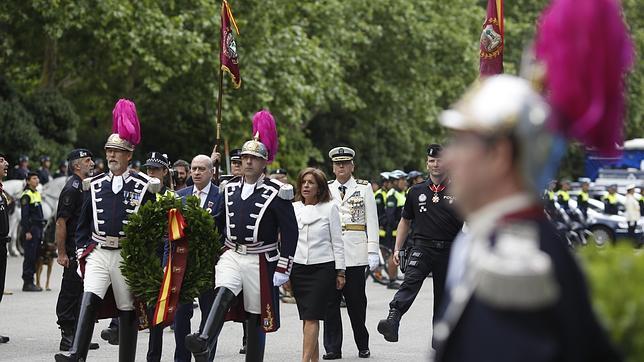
(128, 330)
(256, 339)
(84, 329)
(198, 343)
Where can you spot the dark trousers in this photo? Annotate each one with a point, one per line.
(182, 324)
(356, 299)
(3, 265)
(631, 230)
(423, 260)
(69, 298)
(31, 255)
(155, 343)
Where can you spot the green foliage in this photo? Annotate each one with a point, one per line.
(616, 277)
(145, 235)
(370, 74)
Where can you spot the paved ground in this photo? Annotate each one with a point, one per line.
(30, 320)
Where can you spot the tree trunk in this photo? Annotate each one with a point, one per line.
(49, 63)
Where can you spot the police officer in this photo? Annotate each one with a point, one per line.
(108, 200)
(43, 171)
(33, 224)
(430, 206)
(563, 195)
(583, 197)
(414, 178)
(393, 208)
(257, 213)
(21, 170)
(359, 218)
(550, 199)
(514, 291)
(381, 199)
(280, 175)
(4, 230)
(235, 162)
(611, 204)
(62, 170)
(68, 212)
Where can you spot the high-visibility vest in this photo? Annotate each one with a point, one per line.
(34, 196)
(611, 198)
(583, 196)
(564, 195)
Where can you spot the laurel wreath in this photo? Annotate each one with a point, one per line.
(144, 243)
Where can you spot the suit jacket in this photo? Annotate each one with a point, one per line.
(214, 202)
(358, 207)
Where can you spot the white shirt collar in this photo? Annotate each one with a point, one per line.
(206, 189)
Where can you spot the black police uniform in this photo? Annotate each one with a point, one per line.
(4, 239)
(32, 221)
(436, 224)
(71, 287)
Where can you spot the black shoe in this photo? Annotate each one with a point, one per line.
(111, 335)
(332, 355)
(393, 285)
(389, 327)
(31, 288)
(4, 339)
(364, 353)
(93, 346)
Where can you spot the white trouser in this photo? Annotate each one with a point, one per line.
(239, 273)
(104, 268)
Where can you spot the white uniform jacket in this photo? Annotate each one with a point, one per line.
(359, 220)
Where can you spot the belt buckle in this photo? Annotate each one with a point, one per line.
(241, 249)
(112, 241)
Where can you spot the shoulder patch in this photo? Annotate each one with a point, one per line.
(286, 192)
(516, 274)
(362, 182)
(75, 184)
(24, 200)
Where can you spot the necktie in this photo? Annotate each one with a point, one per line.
(117, 184)
(202, 200)
(342, 189)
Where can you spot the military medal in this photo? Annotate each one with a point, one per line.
(436, 190)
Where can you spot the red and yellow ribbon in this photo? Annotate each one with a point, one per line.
(173, 276)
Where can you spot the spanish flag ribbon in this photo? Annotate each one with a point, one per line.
(174, 271)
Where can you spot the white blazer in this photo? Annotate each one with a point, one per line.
(320, 234)
(358, 207)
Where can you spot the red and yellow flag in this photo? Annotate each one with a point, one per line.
(492, 39)
(228, 53)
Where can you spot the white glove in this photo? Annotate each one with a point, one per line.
(79, 253)
(279, 279)
(374, 261)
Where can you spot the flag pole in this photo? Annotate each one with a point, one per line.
(218, 124)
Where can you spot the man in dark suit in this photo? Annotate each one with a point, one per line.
(201, 170)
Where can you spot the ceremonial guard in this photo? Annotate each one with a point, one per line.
(211, 199)
(108, 201)
(33, 225)
(429, 206)
(4, 230)
(359, 218)
(514, 291)
(258, 213)
(67, 215)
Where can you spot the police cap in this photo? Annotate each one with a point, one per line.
(235, 154)
(79, 153)
(340, 154)
(158, 160)
(434, 150)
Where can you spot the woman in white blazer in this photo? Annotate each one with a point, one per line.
(319, 264)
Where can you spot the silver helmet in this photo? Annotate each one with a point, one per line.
(255, 148)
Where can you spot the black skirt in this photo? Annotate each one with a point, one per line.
(313, 285)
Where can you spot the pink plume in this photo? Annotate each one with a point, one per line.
(587, 50)
(264, 123)
(125, 121)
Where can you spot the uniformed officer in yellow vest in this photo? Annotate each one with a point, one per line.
(396, 198)
(563, 195)
(549, 198)
(611, 205)
(584, 196)
(33, 224)
(381, 198)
